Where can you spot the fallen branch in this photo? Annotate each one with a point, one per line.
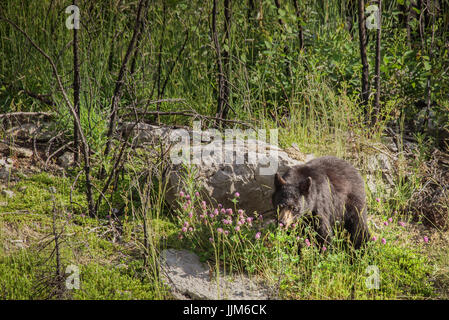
(21, 114)
(57, 151)
(187, 113)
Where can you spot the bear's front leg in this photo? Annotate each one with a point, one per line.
(325, 232)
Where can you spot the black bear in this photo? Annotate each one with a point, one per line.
(328, 190)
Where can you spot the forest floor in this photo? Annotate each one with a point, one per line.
(108, 252)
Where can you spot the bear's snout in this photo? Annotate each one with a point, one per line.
(286, 217)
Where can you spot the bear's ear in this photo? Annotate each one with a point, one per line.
(278, 181)
(304, 186)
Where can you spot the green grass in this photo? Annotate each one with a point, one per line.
(315, 105)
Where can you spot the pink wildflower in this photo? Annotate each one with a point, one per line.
(258, 235)
(384, 241)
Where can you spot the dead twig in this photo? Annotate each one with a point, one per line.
(188, 113)
(21, 114)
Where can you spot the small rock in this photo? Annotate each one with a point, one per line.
(22, 188)
(5, 173)
(19, 243)
(187, 276)
(8, 193)
(22, 152)
(66, 160)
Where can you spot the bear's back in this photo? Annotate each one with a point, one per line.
(344, 178)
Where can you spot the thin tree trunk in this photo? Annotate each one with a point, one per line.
(159, 65)
(119, 83)
(219, 61)
(226, 59)
(378, 61)
(429, 77)
(407, 26)
(76, 91)
(278, 6)
(365, 66)
(250, 10)
(300, 31)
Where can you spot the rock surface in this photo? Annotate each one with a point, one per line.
(239, 167)
(66, 160)
(5, 168)
(253, 180)
(380, 171)
(8, 193)
(189, 278)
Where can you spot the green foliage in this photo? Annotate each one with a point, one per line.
(17, 276)
(310, 95)
(107, 283)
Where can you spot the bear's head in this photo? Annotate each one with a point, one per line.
(292, 197)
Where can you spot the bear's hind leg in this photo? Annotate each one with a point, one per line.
(357, 226)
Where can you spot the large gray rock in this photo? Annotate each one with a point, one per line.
(253, 180)
(188, 278)
(220, 169)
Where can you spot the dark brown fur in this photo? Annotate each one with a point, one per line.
(329, 188)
